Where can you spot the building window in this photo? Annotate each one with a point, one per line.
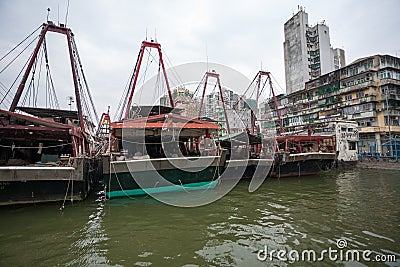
(348, 97)
(353, 71)
(352, 146)
(360, 94)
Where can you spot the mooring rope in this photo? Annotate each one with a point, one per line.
(66, 193)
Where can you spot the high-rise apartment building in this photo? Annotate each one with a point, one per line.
(366, 91)
(339, 60)
(307, 51)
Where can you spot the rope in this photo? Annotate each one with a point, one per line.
(66, 193)
(84, 79)
(39, 76)
(15, 47)
(19, 74)
(216, 171)
(120, 186)
(17, 56)
(122, 102)
(33, 147)
(184, 189)
(173, 70)
(298, 163)
(4, 88)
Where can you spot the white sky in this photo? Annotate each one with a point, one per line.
(239, 34)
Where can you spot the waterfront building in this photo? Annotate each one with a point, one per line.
(366, 91)
(183, 99)
(238, 108)
(339, 59)
(308, 52)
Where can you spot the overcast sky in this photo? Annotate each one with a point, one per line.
(239, 34)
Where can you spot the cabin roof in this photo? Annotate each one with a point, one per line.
(165, 121)
(146, 111)
(21, 119)
(242, 137)
(50, 113)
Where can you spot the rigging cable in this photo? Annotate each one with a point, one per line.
(4, 88)
(157, 85)
(19, 74)
(84, 80)
(39, 75)
(277, 83)
(17, 56)
(15, 47)
(145, 73)
(125, 95)
(173, 70)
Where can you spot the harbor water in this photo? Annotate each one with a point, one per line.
(359, 207)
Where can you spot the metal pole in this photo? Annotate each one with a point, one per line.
(388, 122)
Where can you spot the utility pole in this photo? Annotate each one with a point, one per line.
(388, 122)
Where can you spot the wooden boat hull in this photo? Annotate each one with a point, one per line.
(36, 184)
(247, 168)
(147, 176)
(301, 164)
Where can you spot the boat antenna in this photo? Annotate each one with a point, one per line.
(66, 14)
(146, 34)
(48, 12)
(155, 34)
(71, 100)
(58, 14)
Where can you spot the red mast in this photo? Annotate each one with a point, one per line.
(214, 75)
(136, 74)
(68, 33)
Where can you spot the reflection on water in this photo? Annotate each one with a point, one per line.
(87, 248)
(361, 207)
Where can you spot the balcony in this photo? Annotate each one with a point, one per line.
(362, 115)
(389, 81)
(367, 99)
(391, 112)
(357, 86)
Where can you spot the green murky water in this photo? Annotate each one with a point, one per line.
(359, 206)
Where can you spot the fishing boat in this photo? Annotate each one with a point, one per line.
(43, 160)
(247, 155)
(46, 152)
(161, 153)
(298, 155)
(153, 149)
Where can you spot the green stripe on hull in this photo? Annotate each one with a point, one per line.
(163, 189)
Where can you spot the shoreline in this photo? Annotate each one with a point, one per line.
(383, 164)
